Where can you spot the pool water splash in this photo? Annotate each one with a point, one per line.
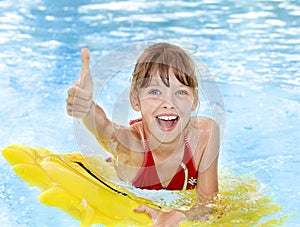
(241, 202)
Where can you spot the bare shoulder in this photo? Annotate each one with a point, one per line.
(128, 136)
(202, 131)
(203, 123)
(130, 151)
(132, 144)
(125, 142)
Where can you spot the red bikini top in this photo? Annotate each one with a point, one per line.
(185, 177)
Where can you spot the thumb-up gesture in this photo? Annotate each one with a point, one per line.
(80, 95)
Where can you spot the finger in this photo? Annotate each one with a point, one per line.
(140, 209)
(79, 102)
(86, 81)
(76, 91)
(148, 210)
(77, 112)
(85, 59)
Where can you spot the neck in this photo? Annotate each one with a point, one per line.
(165, 150)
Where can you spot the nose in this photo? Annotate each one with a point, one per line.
(168, 101)
(167, 105)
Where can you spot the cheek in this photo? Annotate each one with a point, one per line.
(149, 104)
(186, 105)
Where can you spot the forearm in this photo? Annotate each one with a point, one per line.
(197, 213)
(201, 210)
(97, 122)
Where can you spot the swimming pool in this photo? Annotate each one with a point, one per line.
(251, 47)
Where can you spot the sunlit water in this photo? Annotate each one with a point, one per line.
(252, 48)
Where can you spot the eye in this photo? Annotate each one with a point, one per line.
(154, 92)
(181, 92)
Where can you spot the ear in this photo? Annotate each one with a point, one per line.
(135, 102)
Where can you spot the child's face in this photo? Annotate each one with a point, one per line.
(166, 110)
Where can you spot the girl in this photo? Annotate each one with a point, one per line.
(167, 148)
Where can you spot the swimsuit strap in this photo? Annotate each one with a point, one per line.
(131, 122)
(188, 154)
(186, 158)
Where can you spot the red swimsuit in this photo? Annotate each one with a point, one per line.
(185, 177)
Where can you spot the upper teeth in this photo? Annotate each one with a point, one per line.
(167, 118)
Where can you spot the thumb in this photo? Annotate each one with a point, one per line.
(86, 81)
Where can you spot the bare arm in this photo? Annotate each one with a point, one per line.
(208, 167)
(207, 187)
(207, 182)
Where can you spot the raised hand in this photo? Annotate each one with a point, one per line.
(80, 95)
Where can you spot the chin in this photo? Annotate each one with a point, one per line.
(166, 137)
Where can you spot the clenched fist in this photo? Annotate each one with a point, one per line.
(80, 95)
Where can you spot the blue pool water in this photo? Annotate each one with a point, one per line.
(252, 48)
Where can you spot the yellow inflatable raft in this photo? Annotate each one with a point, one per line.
(67, 181)
(86, 187)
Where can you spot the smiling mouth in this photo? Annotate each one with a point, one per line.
(167, 123)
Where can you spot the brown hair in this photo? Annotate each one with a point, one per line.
(160, 57)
